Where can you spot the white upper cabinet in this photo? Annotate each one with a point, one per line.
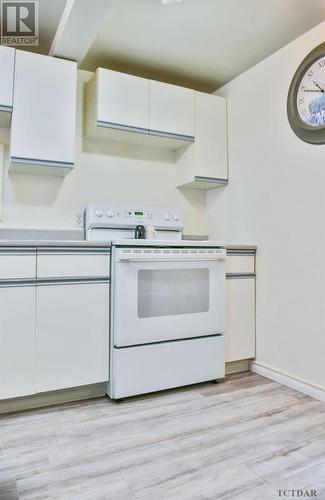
(171, 110)
(44, 114)
(204, 164)
(122, 100)
(127, 108)
(7, 63)
(211, 136)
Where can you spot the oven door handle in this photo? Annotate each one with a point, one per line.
(170, 256)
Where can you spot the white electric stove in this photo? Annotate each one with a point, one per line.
(167, 300)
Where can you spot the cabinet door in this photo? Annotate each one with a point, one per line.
(240, 319)
(171, 109)
(44, 111)
(17, 341)
(211, 136)
(7, 62)
(72, 329)
(122, 99)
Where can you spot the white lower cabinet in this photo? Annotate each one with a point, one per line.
(72, 326)
(240, 308)
(17, 340)
(54, 329)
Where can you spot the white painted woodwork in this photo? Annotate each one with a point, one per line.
(118, 109)
(17, 264)
(240, 319)
(17, 341)
(52, 264)
(171, 109)
(283, 378)
(211, 136)
(7, 63)
(44, 114)
(71, 335)
(239, 264)
(122, 99)
(204, 164)
(72, 41)
(149, 368)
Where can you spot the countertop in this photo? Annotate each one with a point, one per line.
(75, 238)
(91, 244)
(199, 237)
(54, 243)
(15, 237)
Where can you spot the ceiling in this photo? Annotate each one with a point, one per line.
(50, 12)
(197, 43)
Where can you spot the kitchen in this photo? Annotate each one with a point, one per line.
(201, 191)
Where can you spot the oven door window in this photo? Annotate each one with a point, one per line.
(168, 292)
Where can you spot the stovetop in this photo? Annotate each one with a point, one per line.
(116, 224)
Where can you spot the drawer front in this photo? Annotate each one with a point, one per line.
(17, 265)
(240, 264)
(143, 369)
(74, 264)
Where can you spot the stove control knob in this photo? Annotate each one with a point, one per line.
(167, 216)
(99, 213)
(110, 213)
(176, 217)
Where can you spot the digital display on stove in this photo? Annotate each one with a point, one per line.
(139, 214)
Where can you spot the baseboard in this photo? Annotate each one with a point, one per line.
(289, 381)
(237, 366)
(52, 398)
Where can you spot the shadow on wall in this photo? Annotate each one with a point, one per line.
(196, 199)
(126, 150)
(34, 190)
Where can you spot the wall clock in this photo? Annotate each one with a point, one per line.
(306, 98)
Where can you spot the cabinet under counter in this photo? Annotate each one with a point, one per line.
(54, 321)
(240, 304)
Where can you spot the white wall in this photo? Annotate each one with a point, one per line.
(118, 174)
(276, 199)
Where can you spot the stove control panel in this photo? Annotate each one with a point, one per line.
(129, 216)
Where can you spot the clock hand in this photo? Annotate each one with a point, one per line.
(318, 86)
(312, 90)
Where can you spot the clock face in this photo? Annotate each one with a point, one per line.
(306, 98)
(310, 99)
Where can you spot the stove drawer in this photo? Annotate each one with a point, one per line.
(149, 368)
(73, 263)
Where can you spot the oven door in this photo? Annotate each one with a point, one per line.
(167, 294)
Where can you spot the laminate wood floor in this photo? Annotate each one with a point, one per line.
(241, 439)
